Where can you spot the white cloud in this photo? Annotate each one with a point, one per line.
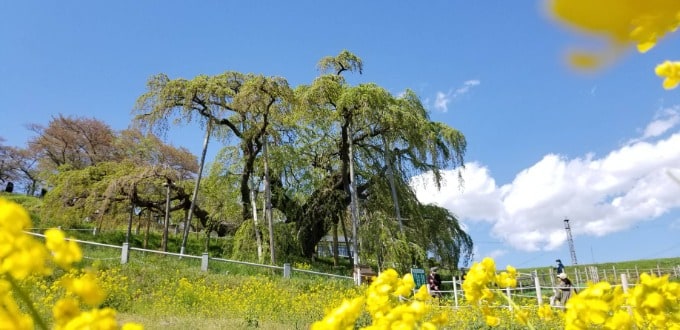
(442, 99)
(665, 120)
(497, 253)
(600, 196)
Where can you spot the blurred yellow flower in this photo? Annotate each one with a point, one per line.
(132, 326)
(64, 252)
(64, 310)
(87, 288)
(655, 301)
(11, 316)
(20, 254)
(342, 317)
(13, 217)
(101, 319)
(545, 312)
(622, 23)
(492, 321)
(671, 72)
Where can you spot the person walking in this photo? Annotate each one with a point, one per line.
(564, 289)
(434, 282)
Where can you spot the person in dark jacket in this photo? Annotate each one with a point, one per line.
(434, 282)
(560, 267)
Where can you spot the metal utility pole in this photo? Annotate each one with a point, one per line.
(268, 201)
(164, 244)
(571, 242)
(354, 207)
(187, 223)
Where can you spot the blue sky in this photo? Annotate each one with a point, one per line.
(545, 142)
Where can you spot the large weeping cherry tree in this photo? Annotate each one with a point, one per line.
(393, 140)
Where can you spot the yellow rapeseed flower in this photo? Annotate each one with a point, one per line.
(545, 312)
(405, 286)
(64, 310)
(13, 217)
(101, 319)
(595, 306)
(622, 23)
(11, 316)
(522, 316)
(342, 317)
(87, 288)
(422, 294)
(492, 321)
(655, 302)
(671, 72)
(20, 254)
(132, 326)
(477, 280)
(64, 252)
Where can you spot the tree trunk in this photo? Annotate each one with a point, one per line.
(166, 225)
(187, 223)
(258, 234)
(336, 252)
(393, 188)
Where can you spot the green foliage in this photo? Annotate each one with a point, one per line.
(244, 243)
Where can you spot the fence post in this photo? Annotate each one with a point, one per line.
(577, 277)
(624, 285)
(286, 270)
(455, 291)
(507, 293)
(537, 284)
(204, 261)
(125, 252)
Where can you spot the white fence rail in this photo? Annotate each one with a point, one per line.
(205, 259)
(535, 285)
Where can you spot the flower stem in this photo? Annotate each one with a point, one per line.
(29, 303)
(515, 307)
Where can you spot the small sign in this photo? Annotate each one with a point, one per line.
(418, 277)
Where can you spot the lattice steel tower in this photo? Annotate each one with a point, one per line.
(571, 242)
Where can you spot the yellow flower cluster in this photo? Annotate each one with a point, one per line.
(623, 23)
(651, 304)
(481, 276)
(597, 305)
(21, 256)
(478, 283)
(671, 72)
(391, 304)
(64, 252)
